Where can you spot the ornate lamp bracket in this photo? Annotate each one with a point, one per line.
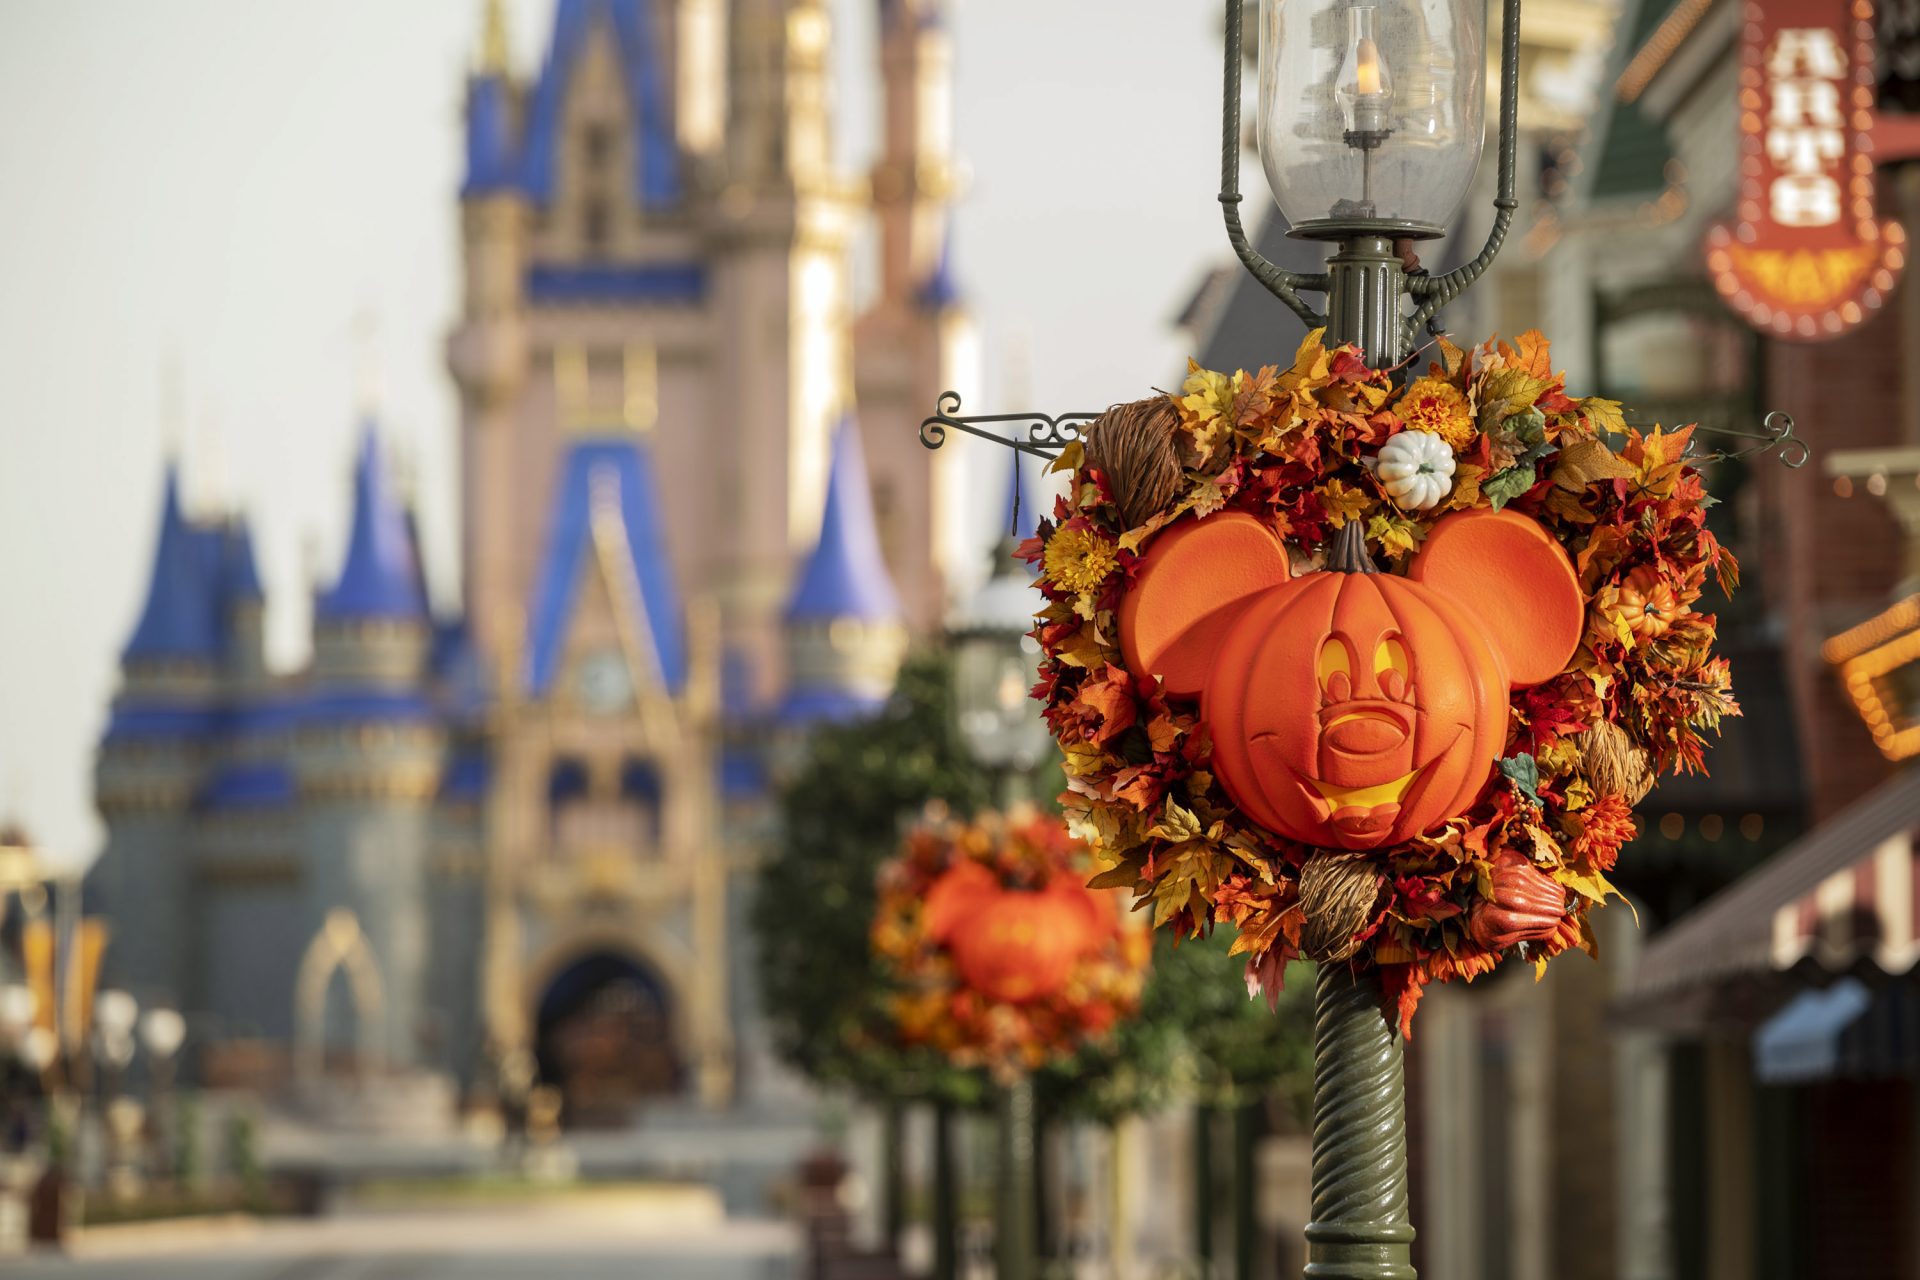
(1046, 434)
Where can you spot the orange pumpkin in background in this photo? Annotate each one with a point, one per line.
(1016, 945)
(1348, 708)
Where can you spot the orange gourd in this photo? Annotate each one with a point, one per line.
(1648, 603)
(1348, 708)
(1015, 945)
(1527, 905)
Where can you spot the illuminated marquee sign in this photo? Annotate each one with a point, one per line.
(1809, 257)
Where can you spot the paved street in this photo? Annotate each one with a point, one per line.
(583, 1238)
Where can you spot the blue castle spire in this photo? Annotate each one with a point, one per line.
(381, 577)
(491, 147)
(239, 573)
(846, 576)
(181, 618)
(650, 106)
(941, 289)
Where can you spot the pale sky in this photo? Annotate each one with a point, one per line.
(225, 187)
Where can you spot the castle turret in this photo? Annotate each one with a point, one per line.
(367, 758)
(155, 754)
(780, 243)
(845, 626)
(917, 340)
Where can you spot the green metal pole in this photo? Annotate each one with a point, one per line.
(946, 1195)
(1203, 1187)
(1013, 1234)
(1246, 1231)
(1043, 1241)
(1361, 1229)
(893, 1173)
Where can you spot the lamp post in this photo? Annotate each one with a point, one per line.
(162, 1032)
(1370, 130)
(995, 665)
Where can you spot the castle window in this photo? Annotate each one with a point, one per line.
(596, 141)
(596, 226)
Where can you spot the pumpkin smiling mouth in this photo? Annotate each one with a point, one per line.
(1364, 797)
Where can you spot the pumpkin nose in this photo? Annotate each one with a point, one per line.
(1364, 731)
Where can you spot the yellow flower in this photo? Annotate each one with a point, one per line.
(1079, 559)
(1436, 405)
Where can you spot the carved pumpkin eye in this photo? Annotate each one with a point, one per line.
(1390, 656)
(1333, 660)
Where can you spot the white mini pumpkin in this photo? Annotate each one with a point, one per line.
(1416, 469)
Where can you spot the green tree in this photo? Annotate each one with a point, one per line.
(843, 812)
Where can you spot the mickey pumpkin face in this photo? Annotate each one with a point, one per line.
(1351, 709)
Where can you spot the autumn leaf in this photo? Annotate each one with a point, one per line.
(1467, 478)
(1396, 534)
(1603, 414)
(1593, 886)
(1207, 498)
(1507, 392)
(1072, 457)
(1342, 502)
(1569, 507)
(1450, 361)
(1176, 823)
(1508, 485)
(1529, 354)
(1589, 462)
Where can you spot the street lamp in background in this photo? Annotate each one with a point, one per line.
(162, 1032)
(995, 666)
(995, 661)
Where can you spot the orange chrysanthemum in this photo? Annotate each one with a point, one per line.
(1436, 405)
(1605, 825)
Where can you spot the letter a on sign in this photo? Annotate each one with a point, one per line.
(1808, 257)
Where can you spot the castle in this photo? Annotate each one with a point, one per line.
(696, 519)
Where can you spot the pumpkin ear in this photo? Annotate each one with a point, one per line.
(956, 896)
(1517, 582)
(1194, 582)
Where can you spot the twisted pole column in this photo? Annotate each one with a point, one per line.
(1361, 1228)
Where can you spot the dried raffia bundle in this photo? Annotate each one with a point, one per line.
(1338, 893)
(1132, 445)
(1617, 764)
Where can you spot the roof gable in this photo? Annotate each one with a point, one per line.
(649, 105)
(606, 505)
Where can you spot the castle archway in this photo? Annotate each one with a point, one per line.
(603, 1035)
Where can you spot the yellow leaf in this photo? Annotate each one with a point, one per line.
(1071, 458)
(1466, 486)
(1589, 462)
(1451, 358)
(1506, 392)
(1342, 502)
(1396, 534)
(1206, 497)
(1603, 414)
(1176, 823)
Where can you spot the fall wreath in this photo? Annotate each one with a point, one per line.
(1375, 669)
(1000, 953)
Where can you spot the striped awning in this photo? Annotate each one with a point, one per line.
(1839, 899)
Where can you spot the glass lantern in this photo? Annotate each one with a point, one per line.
(995, 665)
(1371, 113)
